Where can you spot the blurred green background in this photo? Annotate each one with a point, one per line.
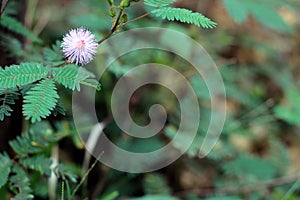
(256, 47)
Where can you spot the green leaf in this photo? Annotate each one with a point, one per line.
(24, 145)
(21, 184)
(290, 111)
(15, 26)
(9, 8)
(250, 166)
(159, 3)
(40, 100)
(62, 171)
(264, 12)
(92, 83)
(38, 163)
(59, 109)
(289, 115)
(54, 53)
(71, 76)
(5, 165)
(23, 74)
(111, 196)
(268, 16)
(5, 110)
(184, 15)
(35, 141)
(13, 46)
(8, 98)
(154, 183)
(237, 10)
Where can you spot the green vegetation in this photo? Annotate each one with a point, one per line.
(256, 48)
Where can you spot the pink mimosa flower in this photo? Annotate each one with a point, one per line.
(79, 46)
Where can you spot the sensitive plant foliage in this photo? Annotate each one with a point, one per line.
(79, 46)
(40, 99)
(159, 3)
(23, 74)
(20, 183)
(30, 149)
(186, 16)
(15, 26)
(5, 167)
(38, 82)
(265, 13)
(8, 97)
(71, 76)
(179, 14)
(45, 73)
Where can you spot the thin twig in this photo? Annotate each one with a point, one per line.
(292, 189)
(138, 18)
(113, 28)
(85, 176)
(62, 190)
(63, 64)
(117, 26)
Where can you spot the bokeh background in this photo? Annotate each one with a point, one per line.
(256, 47)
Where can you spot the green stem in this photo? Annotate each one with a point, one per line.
(114, 28)
(85, 176)
(138, 18)
(62, 190)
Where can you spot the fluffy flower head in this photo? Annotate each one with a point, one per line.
(79, 46)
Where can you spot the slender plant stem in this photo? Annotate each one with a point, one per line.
(85, 176)
(62, 190)
(138, 18)
(117, 26)
(113, 29)
(292, 189)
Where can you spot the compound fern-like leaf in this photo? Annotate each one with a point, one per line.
(62, 171)
(54, 54)
(184, 15)
(15, 26)
(20, 183)
(24, 145)
(23, 74)
(92, 83)
(33, 142)
(13, 47)
(38, 163)
(159, 3)
(8, 98)
(71, 76)
(40, 100)
(5, 165)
